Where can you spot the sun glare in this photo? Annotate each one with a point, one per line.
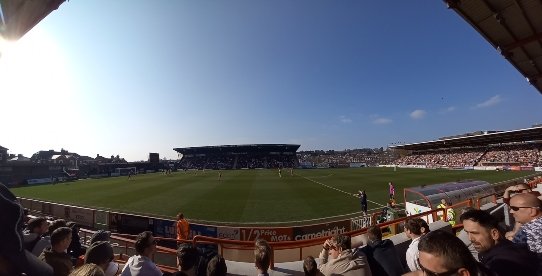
(34, 85)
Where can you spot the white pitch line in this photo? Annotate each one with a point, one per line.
(339, 190)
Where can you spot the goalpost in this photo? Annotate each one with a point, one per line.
(126, 171)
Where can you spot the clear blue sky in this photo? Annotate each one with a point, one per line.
(133, 77)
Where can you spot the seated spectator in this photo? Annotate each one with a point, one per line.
(141, 263)
(56, 255)
(57, 223)
(414, 229)
(187, 258)
(310, 267)
(442, 253)
(381, 254)
(517, 189)
(100, 235)
(494, 251)
(527, 210)
(14, 259)
(338, 259)
(464, 237)
(262, 256)
(88, 270)
(101, 254)
(217, 266)
(35, 238)
(75, 249)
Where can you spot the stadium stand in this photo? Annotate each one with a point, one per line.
(505, 149)
(238, 157)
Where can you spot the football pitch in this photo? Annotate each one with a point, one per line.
(249, 196)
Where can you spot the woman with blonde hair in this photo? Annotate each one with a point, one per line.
(88, 270)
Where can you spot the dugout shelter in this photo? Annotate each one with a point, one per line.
(427, 197)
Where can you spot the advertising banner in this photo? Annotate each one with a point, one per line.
(101, 220)
(228, 233)
(321, 230)
(26, 203)
(268, 234)
(202, 230)
(165, 228)
(134, 225)
(360, 223)
(115, 219)
(46, 208)
(35, 205)
(413, 209)
(81, 216)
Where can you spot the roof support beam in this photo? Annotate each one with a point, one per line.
(522, 42)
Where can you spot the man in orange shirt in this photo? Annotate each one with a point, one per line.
(182, 227)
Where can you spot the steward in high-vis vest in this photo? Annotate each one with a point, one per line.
(450, 213)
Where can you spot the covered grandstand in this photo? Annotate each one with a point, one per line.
(513, 28)
(252, 156)
(515, 149)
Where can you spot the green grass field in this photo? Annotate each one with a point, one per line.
(249, 195)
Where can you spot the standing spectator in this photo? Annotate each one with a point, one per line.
(494, 251)
(414, 229)
(183, 227)
(56, 255)
(141, 263)
(441, 253)
(338, 259)
(262, 256)
(381, 254)
(14, 259)
(363, 201)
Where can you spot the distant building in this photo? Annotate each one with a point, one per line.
(3, 155)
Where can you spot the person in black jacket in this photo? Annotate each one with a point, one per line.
(497, 253)
(381, 254)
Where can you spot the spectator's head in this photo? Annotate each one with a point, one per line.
(57, 223)
(61, 239)
(442, 253)
(262, 255)
(14, 259)
(187, 256)
(482, 228)
(443, 201)
(180, 216)
(100, 235)
(101, 254)
(309, 266)
(38, 225)
(88, 270)
(145, 244)
(374, 234)
(525, 207)
(415, 227)
(339, 243)
(466, 209)
(217, 266)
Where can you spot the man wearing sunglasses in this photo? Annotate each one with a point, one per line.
(443, 254)
(527, 210)
(494, 251)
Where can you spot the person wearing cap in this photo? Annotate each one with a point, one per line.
(56, 255)
(141, 264)
(75, 249)
(101, 254)
(14, 259)
(100, 235)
